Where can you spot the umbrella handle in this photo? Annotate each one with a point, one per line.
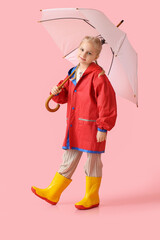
(59, 87)
(47, 104)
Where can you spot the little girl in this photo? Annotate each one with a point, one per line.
(91, 112)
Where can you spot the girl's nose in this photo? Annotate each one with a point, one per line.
(83, 54)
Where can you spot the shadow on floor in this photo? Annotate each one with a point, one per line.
(144, 198)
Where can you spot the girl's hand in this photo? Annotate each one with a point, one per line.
(55, 90)
(101, 136)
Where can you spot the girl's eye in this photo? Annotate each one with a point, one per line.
(82, 49)
(89, 53)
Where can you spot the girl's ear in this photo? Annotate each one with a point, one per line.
(97, 57)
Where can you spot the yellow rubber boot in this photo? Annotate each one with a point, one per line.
(91, 198)
(52, 193)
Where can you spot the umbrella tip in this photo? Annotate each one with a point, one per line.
(120, 23)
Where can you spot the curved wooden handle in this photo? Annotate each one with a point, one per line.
(47, 104)
(60, 86)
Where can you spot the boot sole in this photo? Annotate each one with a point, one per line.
(34, 191)
(81, 207)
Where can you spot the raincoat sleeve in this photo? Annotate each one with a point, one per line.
(106, 103)
(61, 97)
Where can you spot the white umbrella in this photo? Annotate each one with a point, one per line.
(68, 26)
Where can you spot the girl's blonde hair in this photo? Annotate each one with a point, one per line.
(97, 45)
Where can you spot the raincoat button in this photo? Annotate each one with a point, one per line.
(71, 125)
(73, 108)
(75, 90)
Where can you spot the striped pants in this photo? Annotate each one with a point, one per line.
(71, 157)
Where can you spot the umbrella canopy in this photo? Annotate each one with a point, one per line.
(68, 26)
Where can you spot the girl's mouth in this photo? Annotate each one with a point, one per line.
(83, 59)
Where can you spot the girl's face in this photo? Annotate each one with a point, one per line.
(86, 53)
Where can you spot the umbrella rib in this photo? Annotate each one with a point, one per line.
(68, 18)
(111, 63)
(64, 18)
(89, 23)
(70, 52)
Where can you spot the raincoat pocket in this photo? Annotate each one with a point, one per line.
(87, 129)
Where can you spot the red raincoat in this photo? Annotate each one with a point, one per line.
(91, 106)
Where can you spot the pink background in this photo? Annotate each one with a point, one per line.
(31, 137)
